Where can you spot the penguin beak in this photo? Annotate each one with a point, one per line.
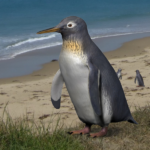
(49, 30)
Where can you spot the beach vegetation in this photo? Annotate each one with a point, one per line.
(24, 134)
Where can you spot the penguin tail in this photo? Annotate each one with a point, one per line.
(131, 120)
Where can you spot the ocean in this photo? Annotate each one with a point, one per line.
(20, 20)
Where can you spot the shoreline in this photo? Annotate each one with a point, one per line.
(29, 95)
(27, 63)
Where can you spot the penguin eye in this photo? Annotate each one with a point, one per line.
(71, 24)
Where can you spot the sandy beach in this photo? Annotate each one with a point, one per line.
(29, 95)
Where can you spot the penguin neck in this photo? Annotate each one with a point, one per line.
(75, 43)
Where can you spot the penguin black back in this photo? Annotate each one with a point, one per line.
(139, 79)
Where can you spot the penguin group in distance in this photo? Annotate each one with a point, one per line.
(138, 78)
(92, 83)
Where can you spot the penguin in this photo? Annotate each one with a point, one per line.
(139, 79)
(92, 84)
(119, 73)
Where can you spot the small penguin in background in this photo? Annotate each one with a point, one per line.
(92, 84)
(119, 73)
(139, 79)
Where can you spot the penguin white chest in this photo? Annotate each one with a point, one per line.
(75, 74)
(137, 80)
(119, 74)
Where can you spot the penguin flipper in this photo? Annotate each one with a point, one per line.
(94, 91)
(56, 89)
(135, 80)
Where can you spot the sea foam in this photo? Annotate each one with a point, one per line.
(30, 40)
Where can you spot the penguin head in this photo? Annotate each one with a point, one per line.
(119, 70)
(137, 71)
(68, 26)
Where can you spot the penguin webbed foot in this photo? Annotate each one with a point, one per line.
(86, 130)
(102, 133)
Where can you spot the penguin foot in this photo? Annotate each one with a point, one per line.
(102, 133)
(86, 130)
